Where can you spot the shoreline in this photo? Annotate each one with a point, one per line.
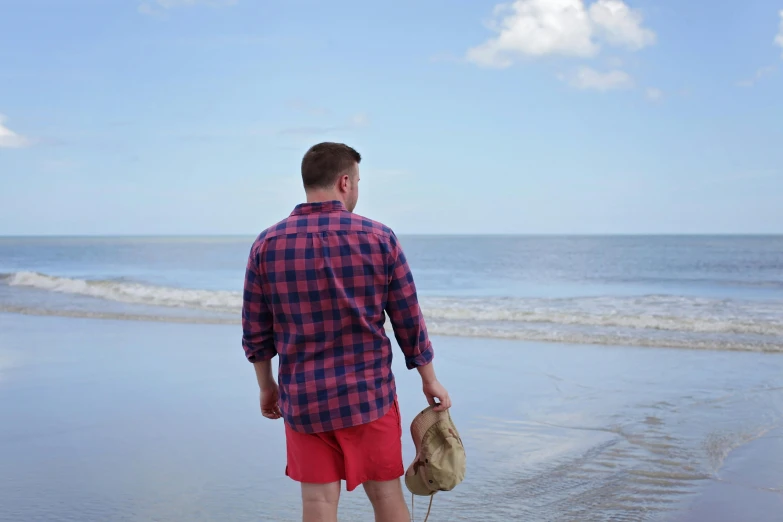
(170, 317)
(748, 486)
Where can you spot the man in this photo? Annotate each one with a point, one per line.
(318, 286)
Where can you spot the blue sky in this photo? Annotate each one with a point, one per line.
(535, 116)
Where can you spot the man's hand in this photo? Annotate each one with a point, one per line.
(269, 402)
(270, 395)
(435, 390)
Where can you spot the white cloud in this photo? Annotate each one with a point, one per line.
(761, 73)
(536, 28)
(559, 27)
(779, 37)
(157, 7)
(590, 79)
(620, 25)
(11, 140)
(360, 120)
(654, 94)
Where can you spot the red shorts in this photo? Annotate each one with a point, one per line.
(371, 451)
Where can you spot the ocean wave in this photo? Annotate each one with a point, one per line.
(652, 320)
(454, 330)
(652, 312)
(637, 338)
(129, 292)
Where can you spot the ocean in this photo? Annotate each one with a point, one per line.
(717, 293)
(593, 378)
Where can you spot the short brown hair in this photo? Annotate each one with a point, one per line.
(324, 162)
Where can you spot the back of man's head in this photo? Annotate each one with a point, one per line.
(324, 163)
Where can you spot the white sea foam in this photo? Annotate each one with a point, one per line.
(134, 293)
(610, 338)
(655, 320)
(669, 313)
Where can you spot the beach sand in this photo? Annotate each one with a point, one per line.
(137, 421)
(749, 486)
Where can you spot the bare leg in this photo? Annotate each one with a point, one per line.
(387, 501)
(319, 502)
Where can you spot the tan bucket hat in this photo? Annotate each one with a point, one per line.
(440, 456)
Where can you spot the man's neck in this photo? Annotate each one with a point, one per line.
(322, 196)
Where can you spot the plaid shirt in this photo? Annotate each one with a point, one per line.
(318, 287)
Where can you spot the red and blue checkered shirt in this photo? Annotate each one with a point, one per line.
(317, 290)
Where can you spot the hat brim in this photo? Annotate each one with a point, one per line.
(417, 483)
(424, 421)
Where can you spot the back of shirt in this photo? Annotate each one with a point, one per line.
(318, 288)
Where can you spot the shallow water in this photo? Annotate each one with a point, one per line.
(138, 421)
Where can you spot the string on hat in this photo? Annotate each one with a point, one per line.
(413, 512)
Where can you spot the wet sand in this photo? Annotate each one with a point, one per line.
(137, 421)
(749, 486)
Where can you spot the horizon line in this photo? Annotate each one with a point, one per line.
(419, 234)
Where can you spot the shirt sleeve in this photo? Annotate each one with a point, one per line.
(257, 320)
(402, 306)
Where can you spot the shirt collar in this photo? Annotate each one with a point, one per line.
(320, 207)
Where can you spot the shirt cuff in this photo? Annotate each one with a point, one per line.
(422, 359)
(256, 354)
